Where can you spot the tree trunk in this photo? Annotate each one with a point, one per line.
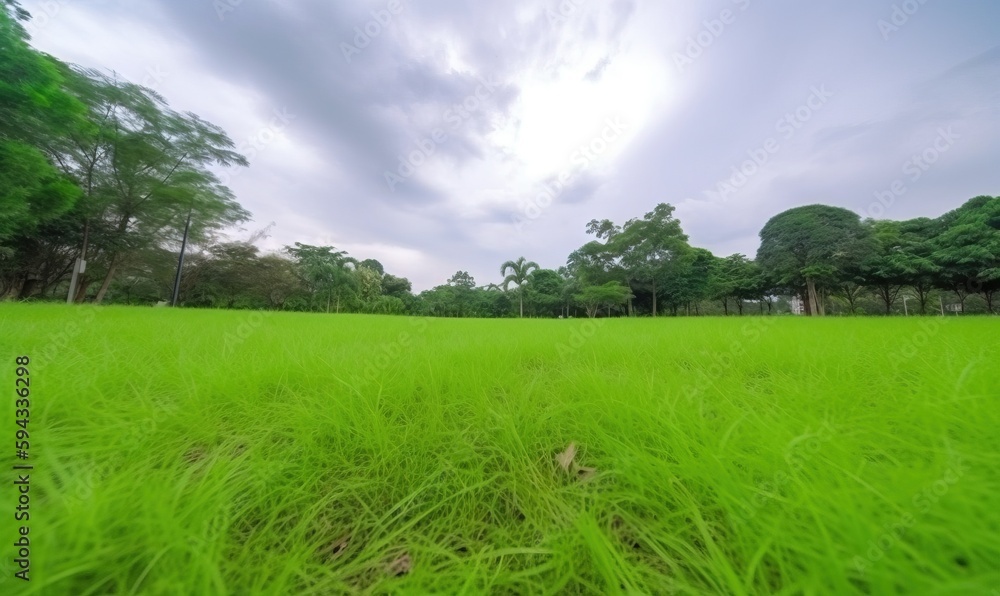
(962, 296)
(816, 309)
(851, 295)
(27, 285)
(81, 289)
(725, 306)
(107, 280)
(654, 298)
(923, 296)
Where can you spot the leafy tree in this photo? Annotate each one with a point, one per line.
(917, 244)
(373, 265)
(388, 305)
(968, 250)
(462, 280)
(544, 291)
(275, 280)
(738, 278)
(227, 275)
(397, 287)
(886, 270)
(34, 109)
(650, 249)
(327, 271)
(517, 272)
(369, 284)
(695, 281)
(143, 169)
(594, 298)
(813, 246)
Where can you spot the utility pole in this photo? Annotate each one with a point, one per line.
(180, 260)
(80, 266)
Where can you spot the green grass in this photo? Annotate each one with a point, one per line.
(203, 452)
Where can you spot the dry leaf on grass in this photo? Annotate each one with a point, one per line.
(565, 458)
(565, 461)
(401, 566)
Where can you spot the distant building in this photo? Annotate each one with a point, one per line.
(798, 307)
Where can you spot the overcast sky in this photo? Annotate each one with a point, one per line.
(440, 135)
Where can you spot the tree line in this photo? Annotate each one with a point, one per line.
(99, 179)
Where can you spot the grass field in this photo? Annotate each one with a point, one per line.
(202, 452)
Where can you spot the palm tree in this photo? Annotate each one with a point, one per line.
(517, 272)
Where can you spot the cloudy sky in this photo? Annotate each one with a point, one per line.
(444, 135)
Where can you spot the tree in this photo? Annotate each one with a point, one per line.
(373, 265)
(968, 250)
(594, 298)
(369, 285)
(143, 169)
(35, 108)
(327, 271)
(917, 243)
(517, 272)
(736, 277)
(227, 275)
(463, 280)
(274, 279)
(544, 291)
(886, 270)
(695, 281)
(397, 287)
(462, 287)
(813, 246)
(651, 249)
